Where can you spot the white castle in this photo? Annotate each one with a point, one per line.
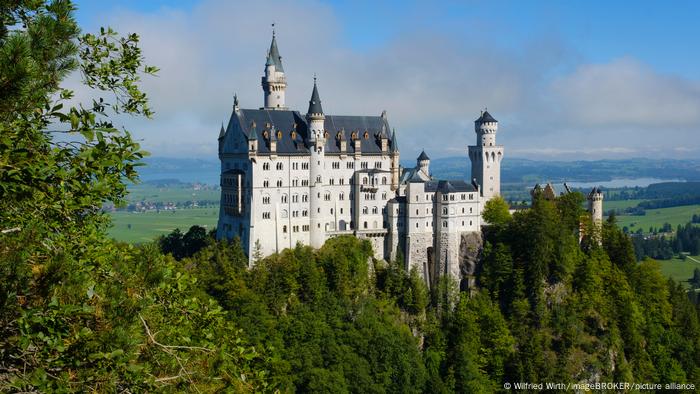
(289, 178)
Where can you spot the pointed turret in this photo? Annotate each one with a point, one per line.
(273, 55)
(315, 102)
(394, 142)
(222, 131)
(274, 83)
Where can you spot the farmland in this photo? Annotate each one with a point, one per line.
(657, 217)
(138, 227)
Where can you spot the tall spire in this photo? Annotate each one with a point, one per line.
(273, 55)
(315, 102)
(222, 131)
(394, 142)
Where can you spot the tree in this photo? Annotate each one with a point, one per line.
(496, 211)
(79, 312)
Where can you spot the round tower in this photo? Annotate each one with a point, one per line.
(486, 156)
(595, 205)
(274, 83)
(317, 143)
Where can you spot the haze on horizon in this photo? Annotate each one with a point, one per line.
(566, 80)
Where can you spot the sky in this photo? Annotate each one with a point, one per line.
(567, 80)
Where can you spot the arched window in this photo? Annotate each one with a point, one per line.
(366, 135)
(279, 135)
(364, 180)
(284, 198)
(365, 210)
(383, 180)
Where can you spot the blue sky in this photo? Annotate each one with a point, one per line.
(600, 69)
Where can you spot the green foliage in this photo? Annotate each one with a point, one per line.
(496, 211)
(184, 245)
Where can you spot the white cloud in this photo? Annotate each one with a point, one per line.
(432, 83)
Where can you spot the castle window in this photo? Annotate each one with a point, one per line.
(353, 135)
(375, 210)
(365, 224)
(266, 166)
(383, 180)
(416, 225)
(279, 166)
(341, 196)
(366, 135)
(295, 198)
(444, 224)
(444, 197)
(383, 196)
(294, 135)
(279, 135)
(462, 222)
(266, 200)
(463, 197)
(266, 183)
(332, 181)
(342, 181)
(266, 215)
(364, 180)
(325, 135)
(331, 211)
(470, 222)
(471, 210)
(350, 165)
(279, 183)
(318, 179)
(365, 210)
(471, 196)
(284, 229)
(284, 198)
(305, 198)
(462, 210)
(341, 211)
(444, 211)
(416, 212)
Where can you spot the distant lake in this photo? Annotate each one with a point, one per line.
(187, 176)
(633, 182)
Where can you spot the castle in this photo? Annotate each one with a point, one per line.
(289, 178)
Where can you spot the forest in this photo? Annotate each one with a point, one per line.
(80, 312)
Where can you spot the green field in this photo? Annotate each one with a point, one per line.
(619, 204)
(176, 194)
(680, 270)
(147, 226)
(657, 217)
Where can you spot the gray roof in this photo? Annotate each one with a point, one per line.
(222, 131)
(315, 102)
(288, 121)
(449, 186)
(273, 55)
(485, 118)
(423, 156)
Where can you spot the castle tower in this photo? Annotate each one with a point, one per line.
(317, 141)
(595, 208)
(394, 152)
(424, 163)
(595, 205)
(486, 156)
(274, 83)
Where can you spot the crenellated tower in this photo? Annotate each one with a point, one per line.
(486, 156)
(274, 83)
(317, 142)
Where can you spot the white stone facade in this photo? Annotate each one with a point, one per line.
(289, 178)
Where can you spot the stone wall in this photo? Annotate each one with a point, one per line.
(418, 247)
(471, 247)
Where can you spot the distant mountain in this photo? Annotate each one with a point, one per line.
(514, 170)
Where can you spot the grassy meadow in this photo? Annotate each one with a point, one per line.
(657, 217)
(680, 270)
(146, 226)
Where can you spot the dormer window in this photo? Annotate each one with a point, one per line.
(294, 135)
(366, 135)
(265, 134)
(279, 135)
(325, 135)
(353, 135)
